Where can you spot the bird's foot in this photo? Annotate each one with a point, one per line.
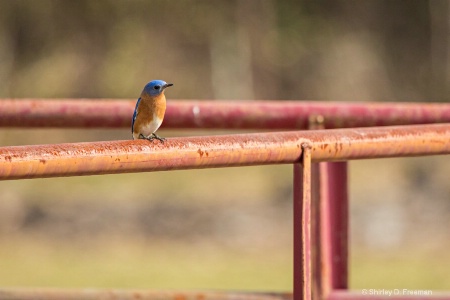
(152, 137)
(155, 136)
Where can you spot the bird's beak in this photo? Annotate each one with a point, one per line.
(167, 85)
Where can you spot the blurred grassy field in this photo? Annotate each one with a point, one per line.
(239, 258)
(122, 263)
(136, 264)
(400, 269)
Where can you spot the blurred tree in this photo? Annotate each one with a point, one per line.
(344, 49)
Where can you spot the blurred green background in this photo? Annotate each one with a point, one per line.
(225, 228)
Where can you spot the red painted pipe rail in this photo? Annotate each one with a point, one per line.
(274, 115)
(219, 151)
(92, 294)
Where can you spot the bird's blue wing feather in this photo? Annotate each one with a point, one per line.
(134, 115)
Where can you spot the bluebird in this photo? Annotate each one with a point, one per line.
(149, 112)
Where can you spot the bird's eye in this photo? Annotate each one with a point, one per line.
(156, 87)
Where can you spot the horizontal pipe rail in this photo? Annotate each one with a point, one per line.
(273, 115)
(221, 151)
(92, 294)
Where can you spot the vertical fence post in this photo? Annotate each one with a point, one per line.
(334, 209)
(302, 226)
(330, 224)
(316, 122)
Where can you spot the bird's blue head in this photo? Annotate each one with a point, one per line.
(156, 87)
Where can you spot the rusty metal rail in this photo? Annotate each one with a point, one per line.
(274, 115)
(219, 151)
(92, 294)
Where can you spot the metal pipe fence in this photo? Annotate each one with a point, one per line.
(109, 157)
(272, 115)
(318, 158)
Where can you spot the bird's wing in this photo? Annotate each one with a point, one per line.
(135, 114)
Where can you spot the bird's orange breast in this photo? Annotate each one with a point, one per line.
(149, 108)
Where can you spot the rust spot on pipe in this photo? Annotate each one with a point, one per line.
(201, 297)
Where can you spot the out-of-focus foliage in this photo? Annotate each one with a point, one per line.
(253, 49)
